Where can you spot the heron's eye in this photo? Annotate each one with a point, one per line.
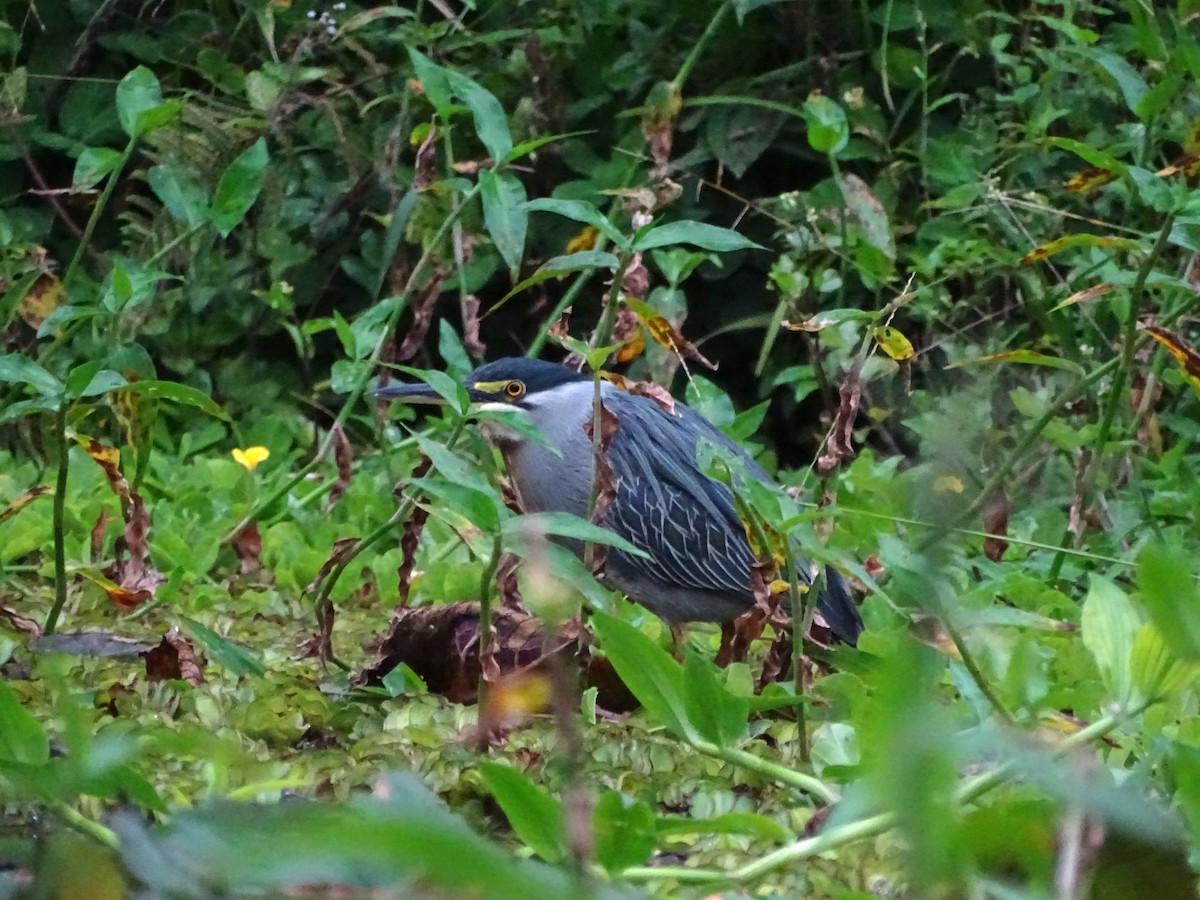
(514, 389)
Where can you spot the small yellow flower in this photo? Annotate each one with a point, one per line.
(251, 456)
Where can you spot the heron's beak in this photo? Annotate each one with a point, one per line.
(419, 394)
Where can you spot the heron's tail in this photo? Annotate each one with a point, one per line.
(838, 608)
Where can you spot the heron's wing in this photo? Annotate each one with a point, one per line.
(666, 506)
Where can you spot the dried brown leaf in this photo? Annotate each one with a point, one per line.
(20, 623)
(995, 522)
(422, 313)
(26, 498)
(470, 318)
(343, 455)
(841, 439)
(173, 658)
(247, 544)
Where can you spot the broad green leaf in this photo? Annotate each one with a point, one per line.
(93, 164)
(717, 715)
(491, 125)
(22, 739)
(434, 82)
(91, 380)
(238, 188)
(1109, 624)
(828, 130)
(181, 191)
(893, 342)
(446, 387)
(580, 211)
(1132, 85)
(16, 368)
(625, 831)
(648, 671)
(176, 393)
(697, 234)
(1156, 671)
(564, 524)
(140, 104)
(1172, 598)
(1090, 155)
(534, 815)
(505, 215)
(234, 657)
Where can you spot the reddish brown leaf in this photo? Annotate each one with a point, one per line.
(342, 548)
(441, 644)
(649, 389)
(665, 334)
(604, 487)
(637, 278)
(422, 314)
(995, 522)
(98, 532)
(1088, 179)
(26, 498)
(1185, 354)
(247, 544)
(749, 626)
(173, 658)
(841, 438)
(343, 455)
(425, 164)
(409, 541)
(18, 622)
(658, 123)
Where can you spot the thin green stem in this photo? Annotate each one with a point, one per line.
(98, 210)
(604, 328)
(693, 56)
(487, 586)
(60, 499)
(81, 823)
(967, 657)
(808, 784)
(872, 826)
(1116, 392)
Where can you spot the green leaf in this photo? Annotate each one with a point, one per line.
(434, 82)
(140, 104)
(648, 671)
(92, 380)
(491, 125)
(233, 657)
(238, 188)
(1133, 87)
(505, 215)
(446, 387)
(579, 211)
(1172, 598)
(92, 165)
(1091, 156)
(1109, 624)
(1027, 357)
(698, 234)
(181, 191)
(176, 393)
(718, 716)
(568, 525)
(559, 266)
(534, 815)
(526, 147)
(1155, 670)
(18, 369)
(22, 739)
(828, 130)
(625, 831)
(747, 823)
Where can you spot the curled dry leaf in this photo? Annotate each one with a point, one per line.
(425, 164)
(97, 536)
(20, 623)
(841, 437)
(665, 334)
(343, 455)
(247, 544)
(470, 318)
(995, 522)
(441, 644)
(649, 389)
(173, 658)
(604, 488)
(737, 637)
(1185, 354)
(422, 313)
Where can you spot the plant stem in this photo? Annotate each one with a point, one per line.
(98, 210)
(872, 826)
(809, 784)
(60, 499)
(693, 56)
(1129, 345)
(604, 327)
(81, 823)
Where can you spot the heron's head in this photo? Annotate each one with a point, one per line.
(511, 383)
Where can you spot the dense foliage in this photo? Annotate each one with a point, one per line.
(934, 262)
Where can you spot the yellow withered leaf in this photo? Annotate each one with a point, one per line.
(1096, 290)
(585, 240)
(893, 342)
(1185, 354)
